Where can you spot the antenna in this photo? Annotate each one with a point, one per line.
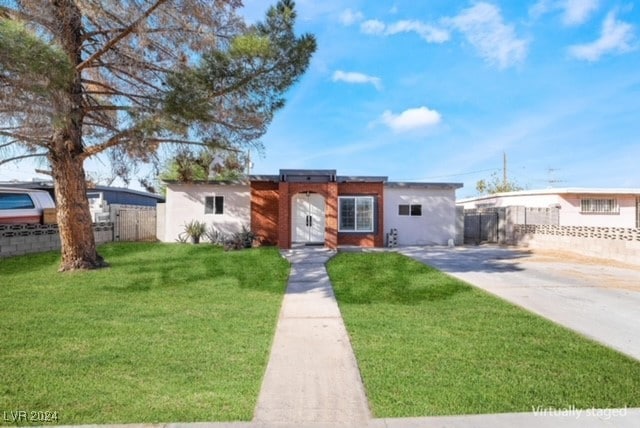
(551, 180)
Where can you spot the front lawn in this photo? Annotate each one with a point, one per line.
(428, 344)
(168, 333)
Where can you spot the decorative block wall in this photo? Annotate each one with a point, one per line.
(615, 243)
(18, 239)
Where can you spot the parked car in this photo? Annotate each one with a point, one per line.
(20, 206)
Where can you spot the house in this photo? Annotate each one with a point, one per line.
(315, 207)
(577, 206)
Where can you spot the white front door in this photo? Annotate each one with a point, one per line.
(308, 218)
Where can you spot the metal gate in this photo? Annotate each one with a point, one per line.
(480, 227)
(135, 225)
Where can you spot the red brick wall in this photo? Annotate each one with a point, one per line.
(264, 211)
(364, 239)
(271, 211)
(288, 190)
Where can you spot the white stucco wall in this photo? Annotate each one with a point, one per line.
(570, 214)
(570, 207)
(437, 223)
(185, 202)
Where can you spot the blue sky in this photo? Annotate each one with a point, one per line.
(437, 91)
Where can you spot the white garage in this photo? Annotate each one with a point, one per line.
(422, 213)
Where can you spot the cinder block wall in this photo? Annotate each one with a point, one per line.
(615, 243)
(22, 239)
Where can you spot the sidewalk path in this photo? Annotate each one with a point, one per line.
(312, 377)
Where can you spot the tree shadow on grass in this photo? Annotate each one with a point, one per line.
(184, 265)
(390, 278)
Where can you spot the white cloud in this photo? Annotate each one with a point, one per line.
(574, 12)
(541, 7)
(349, 17)
(496, 42)
(411, 119)
(372, 26)
(615, 37)
(358, 78)
(578, 11)
(428, 32)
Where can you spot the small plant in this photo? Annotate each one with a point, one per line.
(240, 240)
(195, 229)
(215, 236)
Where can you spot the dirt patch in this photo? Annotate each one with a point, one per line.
(589, 270)
(557, 256)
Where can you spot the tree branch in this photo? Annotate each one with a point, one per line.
(119, 37)
(16, 158)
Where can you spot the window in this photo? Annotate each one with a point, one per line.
(356, 214)
(15, 201)
(413, 210)
(214, 205)
(599, 206)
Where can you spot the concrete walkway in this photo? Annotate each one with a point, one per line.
(312, 378)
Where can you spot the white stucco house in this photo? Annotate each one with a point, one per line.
(597, 207)
(315, 207)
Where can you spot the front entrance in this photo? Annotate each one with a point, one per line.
(308, 218)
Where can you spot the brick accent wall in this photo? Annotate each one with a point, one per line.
(271, 216)
(327, 190)
(376, 190)
(264, 211)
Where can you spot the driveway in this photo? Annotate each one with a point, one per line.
(596, 298)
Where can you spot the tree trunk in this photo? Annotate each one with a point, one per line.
(74, 216)
(66, 152)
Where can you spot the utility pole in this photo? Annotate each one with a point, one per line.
(504, 169)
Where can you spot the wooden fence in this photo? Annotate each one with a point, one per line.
(133, 223)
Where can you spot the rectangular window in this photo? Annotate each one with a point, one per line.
(15, 201)
(638, 213)
(413, 210)
(214, 205)
(599, 206)
(356, 214)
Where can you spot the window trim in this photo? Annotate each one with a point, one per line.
(596, 206)
(355, 213)
(216, 209)
(410, 210)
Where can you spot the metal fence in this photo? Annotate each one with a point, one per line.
(480, 227)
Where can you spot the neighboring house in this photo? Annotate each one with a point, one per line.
(315, 207)
(577, 206)
(100, 197)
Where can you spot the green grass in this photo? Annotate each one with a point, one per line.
(428, 344)
(168, 333)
